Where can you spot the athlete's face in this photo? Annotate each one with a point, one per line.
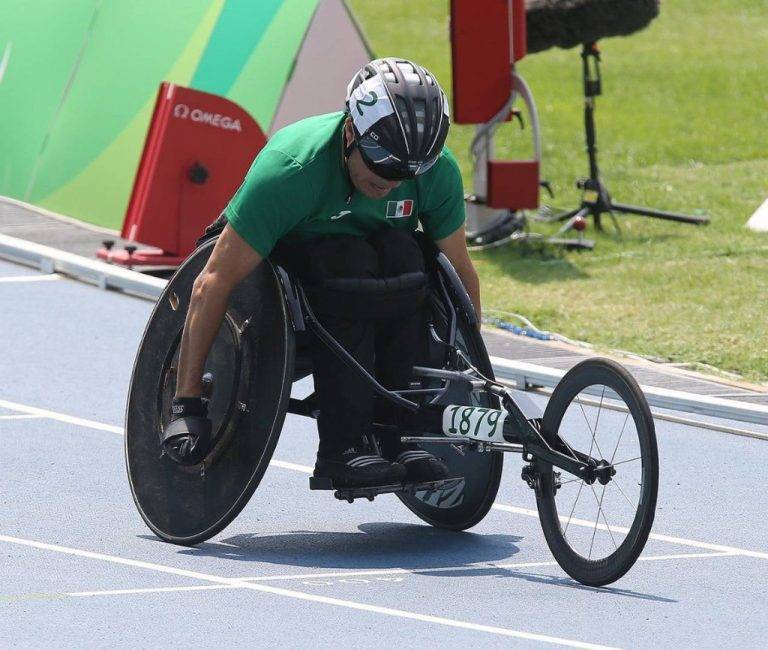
(364, 180)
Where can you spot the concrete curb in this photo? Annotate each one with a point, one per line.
(526, 376)
(105, 276)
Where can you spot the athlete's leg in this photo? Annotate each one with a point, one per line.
(401, 342)
(345, 401)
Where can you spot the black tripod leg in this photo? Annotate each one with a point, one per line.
(563, 216)
(659, 214)
(615, 222)
(575, 214)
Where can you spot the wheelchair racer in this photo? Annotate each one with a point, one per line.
(343, 193)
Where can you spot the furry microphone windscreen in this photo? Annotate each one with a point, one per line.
(567, 23)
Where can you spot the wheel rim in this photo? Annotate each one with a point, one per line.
(600, 522)
(467, 503)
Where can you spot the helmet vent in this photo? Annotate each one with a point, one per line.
(387, 72)
(402, 108)
(420, 112)
(409, 72)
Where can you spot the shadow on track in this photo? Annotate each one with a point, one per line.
(428, 551)
(376, 546)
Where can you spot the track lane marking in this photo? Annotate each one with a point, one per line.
(305, 469)
(319, 576)
(61, 417)
(469, 567)
(300, 595)
(30, 278)
(730, 550)
(148, 590)
(13, 406)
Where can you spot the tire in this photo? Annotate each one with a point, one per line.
(569, 414)
(251, 362)
(466, 505)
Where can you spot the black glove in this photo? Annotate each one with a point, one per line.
(187, 438)
(184, 407)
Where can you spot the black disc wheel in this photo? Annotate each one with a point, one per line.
(597, 528)
(248, 375)
(463, 505)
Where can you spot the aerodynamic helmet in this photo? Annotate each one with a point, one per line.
(400, 117)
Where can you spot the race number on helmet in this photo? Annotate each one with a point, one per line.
(400, 116)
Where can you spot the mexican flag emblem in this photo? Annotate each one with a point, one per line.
(397, 209)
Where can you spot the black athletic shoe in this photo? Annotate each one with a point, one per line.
(357, 467)
(420, 466)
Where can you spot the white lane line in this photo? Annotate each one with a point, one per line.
(662, 538)
(300, 595)
(31, 410)
(20, 417)
(345, 574)
(150, 590)
(31, 278)
(308, 470)
(469, 567)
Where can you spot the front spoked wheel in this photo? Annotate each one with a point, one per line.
(597, 528)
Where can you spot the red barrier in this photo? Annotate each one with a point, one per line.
(513, 184)
(480, 58)
(487, 37)
(519, 31)
(198, 149)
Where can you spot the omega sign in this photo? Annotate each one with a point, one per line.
(184, 112)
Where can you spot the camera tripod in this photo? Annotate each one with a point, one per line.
(596, 200)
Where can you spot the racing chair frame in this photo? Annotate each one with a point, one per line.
(467, 413)
(525, 422)
(475, 489)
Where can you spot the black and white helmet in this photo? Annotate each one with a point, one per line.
(400, 116)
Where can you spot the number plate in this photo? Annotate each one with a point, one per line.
(474, 422)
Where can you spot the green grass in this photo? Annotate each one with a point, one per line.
(682, 125)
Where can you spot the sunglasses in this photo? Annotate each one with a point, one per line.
(386, 165)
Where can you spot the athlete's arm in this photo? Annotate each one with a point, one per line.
(455, 248)
(231, 261)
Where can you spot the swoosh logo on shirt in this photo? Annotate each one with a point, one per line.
(341, 214)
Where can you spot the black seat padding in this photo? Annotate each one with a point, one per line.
(369, 298)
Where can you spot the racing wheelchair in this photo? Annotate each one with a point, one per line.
(592, 449)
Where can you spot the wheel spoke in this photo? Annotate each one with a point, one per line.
(623, 426)
(597, 419)
(631, 505)
(593, 433)
(573, 453)
(594, 530)
(567, 523)
(621, 462)
(600, 511)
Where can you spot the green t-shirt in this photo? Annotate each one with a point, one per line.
(297, 189)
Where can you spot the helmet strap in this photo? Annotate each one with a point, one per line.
(348, 149)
